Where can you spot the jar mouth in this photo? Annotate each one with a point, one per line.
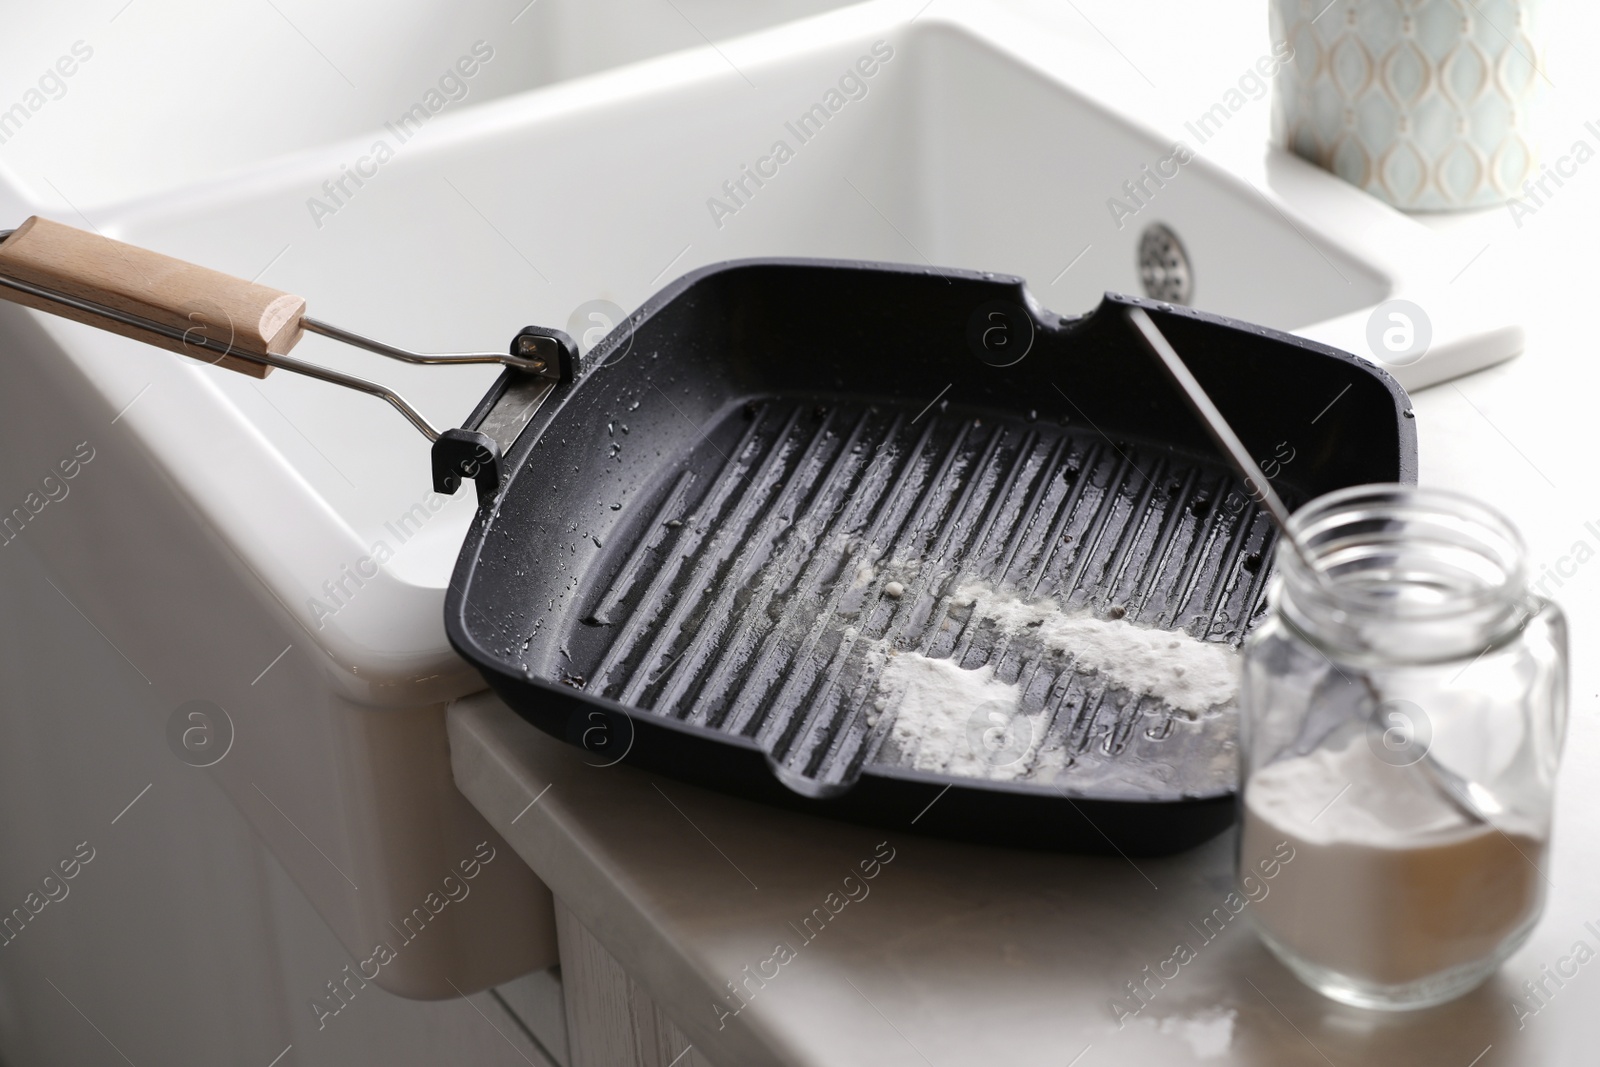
(1399, 553)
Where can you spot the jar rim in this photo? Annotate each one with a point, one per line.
(1316, 524)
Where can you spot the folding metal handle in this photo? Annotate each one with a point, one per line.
(202, 313)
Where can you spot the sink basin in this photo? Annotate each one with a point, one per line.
(959, 148)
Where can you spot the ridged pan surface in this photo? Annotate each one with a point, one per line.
(781, 483)
(755, 597)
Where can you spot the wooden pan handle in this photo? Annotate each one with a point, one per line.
(250, 319)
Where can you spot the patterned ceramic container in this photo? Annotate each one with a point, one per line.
(1424, 103)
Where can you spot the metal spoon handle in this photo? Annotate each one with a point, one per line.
(1469, 798)
(1216, 425)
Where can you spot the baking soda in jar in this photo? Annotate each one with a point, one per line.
(1401, 719)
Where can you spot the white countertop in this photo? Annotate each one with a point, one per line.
(956, 954)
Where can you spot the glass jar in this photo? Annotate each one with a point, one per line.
(1401, 718)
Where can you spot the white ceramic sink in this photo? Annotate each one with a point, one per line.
(977, 140)
(963, 149)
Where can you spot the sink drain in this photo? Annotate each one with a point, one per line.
(1164, 266)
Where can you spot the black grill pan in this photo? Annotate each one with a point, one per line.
(679, 571)
(697, 550)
